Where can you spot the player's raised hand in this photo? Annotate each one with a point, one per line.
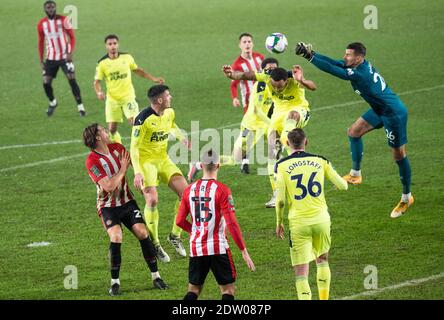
(248, 260)
(125, 160)
(138, 181)
(236, 103)
(304, 49)
(280, 231)
(298, 73)
(227, 70)
(159, 80)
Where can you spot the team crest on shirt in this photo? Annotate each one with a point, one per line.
(136, 133)
(95, 171)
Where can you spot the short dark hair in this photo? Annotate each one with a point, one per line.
(296, 138)
(267, 61)
(210, 160)
(156, 90)
(90, 134)
(111, 36)
(358, 47)
(279, 74)
(245, 34)
(48, 2)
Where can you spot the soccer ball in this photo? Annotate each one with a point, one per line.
(276, 43)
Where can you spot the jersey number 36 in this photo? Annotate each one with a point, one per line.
(313, 188)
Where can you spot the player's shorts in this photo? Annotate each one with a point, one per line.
(129, 214)
(395, 126)
(114, 110)
(278, 119)
(51, 67)
(156, 171)
(248, 138)
(221, 265)
(308, 242)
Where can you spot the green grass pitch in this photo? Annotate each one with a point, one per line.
(187, 42)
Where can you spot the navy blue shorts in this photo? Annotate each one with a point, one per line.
(395, 126)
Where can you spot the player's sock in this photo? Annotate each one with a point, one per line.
(405, 175)
(176, 231)
(113, 281)
(356, 149)
(155, 275)
(270, 167)
(152, 221)
(290, 124)
(226, 296)
(227, 160)
(149, 253)
(303, 288)
(190, 296)
(49, 91)
(115, 137)
(115, 259)
(75, 90)
(323, 280)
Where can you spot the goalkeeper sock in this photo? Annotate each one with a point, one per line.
(152, 221)
(405, 174)
(303, 288)
(323, 280)
(356, 149)
(176, 231)
(115, 137)
(270, 167)
(115, 259)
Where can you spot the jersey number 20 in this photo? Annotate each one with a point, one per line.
(314, 188)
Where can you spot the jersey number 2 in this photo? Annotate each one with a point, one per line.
(377, 76)
(314, 188)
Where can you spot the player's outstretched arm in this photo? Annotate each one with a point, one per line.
(110, 184)
(298, 75)
(142, 73)
(335, 178)
(238, 75)
(135, 158)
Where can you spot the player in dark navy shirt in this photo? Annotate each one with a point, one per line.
(386, 110)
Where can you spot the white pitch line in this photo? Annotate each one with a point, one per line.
(33, 164)
(408, 283)
(225, 126)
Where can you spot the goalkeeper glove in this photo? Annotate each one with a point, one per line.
(305, 50)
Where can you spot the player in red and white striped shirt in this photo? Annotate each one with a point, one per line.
(55, 31)
(247, 61)
(211, 207)
(107, 165)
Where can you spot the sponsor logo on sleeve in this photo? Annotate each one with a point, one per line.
(95, 171)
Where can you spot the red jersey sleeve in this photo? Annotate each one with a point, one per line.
(95, 169)
(228, 212)
(184, 210)
(41, 40)
(70, 31)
